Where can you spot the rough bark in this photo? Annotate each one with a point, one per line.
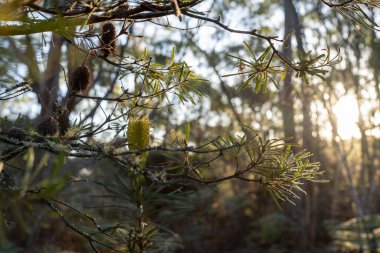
(287, 92)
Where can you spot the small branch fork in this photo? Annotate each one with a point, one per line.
(125, 158)
(142, 11)
(14, 91)
(75, 148)
(91, 14)
(81, 150)
(337, 5)
(92, 240)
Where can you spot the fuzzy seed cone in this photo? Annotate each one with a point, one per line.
(108, 42)
(138, 133)
(64, 122)
(48, 127)
(17, 133)
(81, 79)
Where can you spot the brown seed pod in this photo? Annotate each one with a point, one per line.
(48, 127)
(81, 79)
(63, 121)
(108, 41)
(17, 133)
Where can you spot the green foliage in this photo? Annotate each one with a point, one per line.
(355, 13)
(141, 211)
(20, 197)
(135, 208)
(357, 234)
(158, 80)
(310, 65)
(274, 230)
(258, 70)
(272, 163)
(262, 69)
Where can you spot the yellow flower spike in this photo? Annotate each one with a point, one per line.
(138, 133)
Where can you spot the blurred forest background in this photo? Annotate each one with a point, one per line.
(336, 118)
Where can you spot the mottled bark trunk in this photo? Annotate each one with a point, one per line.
(366, 157)
(50, 84)
(45, 83)
(287, 93)
(307, 137)
(288, 113)
(375, 159)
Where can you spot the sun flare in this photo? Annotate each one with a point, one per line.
(347, 113)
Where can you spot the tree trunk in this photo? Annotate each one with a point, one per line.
(287, 93)
(287, 109)
(50, 85)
